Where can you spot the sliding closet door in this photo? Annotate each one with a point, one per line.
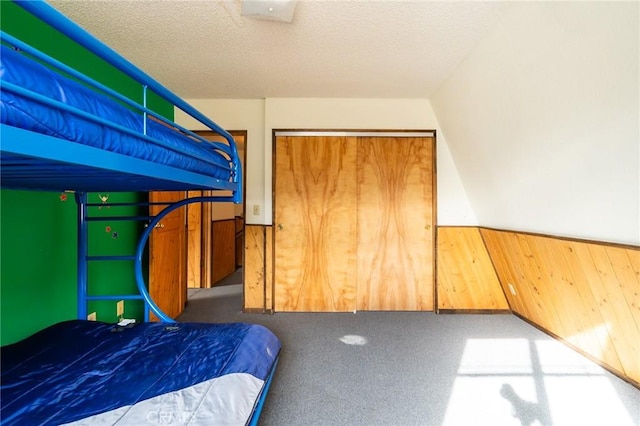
(354, 222)
(395, 215)
(315, 224)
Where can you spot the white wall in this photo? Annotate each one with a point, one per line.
(542, 120)
(406, 114)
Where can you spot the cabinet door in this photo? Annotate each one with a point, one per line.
(315, 224)
(395, 216)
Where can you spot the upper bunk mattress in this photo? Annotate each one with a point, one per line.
(91, 372)
(30, 114)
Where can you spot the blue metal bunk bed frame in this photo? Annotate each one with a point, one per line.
(33, 160)
(103, 170)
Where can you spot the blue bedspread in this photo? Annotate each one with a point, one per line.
(20, 111)
(77, 369)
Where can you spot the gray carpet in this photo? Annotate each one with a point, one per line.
(233, 278)
(394, 368)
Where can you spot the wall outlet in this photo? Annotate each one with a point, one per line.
(120, 308)
(512, 289)
(256, 209)
(92, 316)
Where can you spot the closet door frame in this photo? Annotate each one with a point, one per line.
(395, 133)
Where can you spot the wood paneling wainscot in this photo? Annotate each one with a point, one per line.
(258, 271)
(467, 280)
(585, 293)
(254, 267)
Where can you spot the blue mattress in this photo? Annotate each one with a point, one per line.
(21, 111)
(91, 372)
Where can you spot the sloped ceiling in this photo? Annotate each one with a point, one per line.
(543, 121)
(347, 49)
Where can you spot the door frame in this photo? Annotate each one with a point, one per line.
(206, 225)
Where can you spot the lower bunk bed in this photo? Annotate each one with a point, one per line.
(86, 372)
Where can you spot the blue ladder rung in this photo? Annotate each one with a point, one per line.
(132, 204)
(115, 297)
(110, 258)
(103, 218)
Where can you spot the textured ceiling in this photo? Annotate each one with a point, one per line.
(365, 49)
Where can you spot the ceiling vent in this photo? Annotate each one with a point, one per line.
(272, 10)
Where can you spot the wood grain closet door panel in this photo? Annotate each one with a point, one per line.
(395, 224)
(315, 224)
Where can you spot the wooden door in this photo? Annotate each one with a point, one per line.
(315, 224)
(167, 257)
(395, 223)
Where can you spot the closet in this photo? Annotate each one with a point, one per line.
(354, 221)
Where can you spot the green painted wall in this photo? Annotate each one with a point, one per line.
(37, 255)
(38, 229)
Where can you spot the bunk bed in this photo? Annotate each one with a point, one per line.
(63, 131)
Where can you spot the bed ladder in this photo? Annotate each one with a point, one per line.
(84, 258)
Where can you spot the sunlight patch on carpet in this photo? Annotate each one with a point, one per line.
(353, 339)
